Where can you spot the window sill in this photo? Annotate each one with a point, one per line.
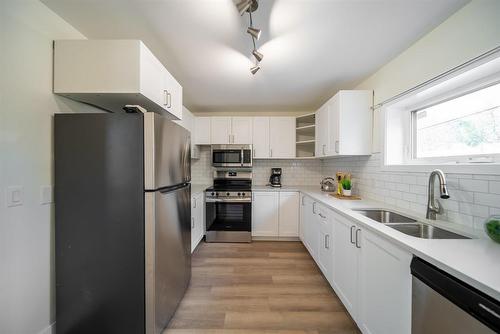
(471, 168)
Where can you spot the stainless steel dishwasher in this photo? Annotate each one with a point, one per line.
(443, 304)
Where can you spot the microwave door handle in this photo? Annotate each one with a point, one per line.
(242, 157)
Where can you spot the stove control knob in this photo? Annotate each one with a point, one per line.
(242, 194)
(227, 194)
(239, 194)
(212, 193)
(216, 194)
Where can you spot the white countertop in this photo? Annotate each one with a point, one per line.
(475, 261)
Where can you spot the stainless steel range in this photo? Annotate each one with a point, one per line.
(229, 207)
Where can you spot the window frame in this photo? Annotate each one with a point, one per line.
(412, 158)
(401, 110)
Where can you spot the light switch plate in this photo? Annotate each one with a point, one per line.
(46, 195)
(15, 196)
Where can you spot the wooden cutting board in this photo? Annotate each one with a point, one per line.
(352, 198)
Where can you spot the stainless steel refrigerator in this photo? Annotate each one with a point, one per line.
(122, 222)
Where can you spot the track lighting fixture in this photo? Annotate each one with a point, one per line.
(250, 6)
(257, 55)
(254, 32)
(255, 69)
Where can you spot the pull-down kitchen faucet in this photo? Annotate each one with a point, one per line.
(433, 206)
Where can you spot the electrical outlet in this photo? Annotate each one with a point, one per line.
(46, 195)
(15, 196)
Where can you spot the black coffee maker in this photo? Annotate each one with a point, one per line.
(275, 178)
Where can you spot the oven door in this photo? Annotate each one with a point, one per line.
(228, 215)
(227, 157)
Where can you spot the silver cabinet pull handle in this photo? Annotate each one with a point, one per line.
(314, 207)
(303, 200)
(336, 146)
(324, 149)
(254, 153)
(327, 241)
(192, 222)
(352, 228)
(357, 238)
(165, 96)
(194, 203)
(270, 152)
(321, 215)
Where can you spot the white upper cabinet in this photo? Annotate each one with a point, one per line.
(282, 137)
(231, 130)
(241, 130)
(113, 73)
(261, 137)
(344, 124)
(202, 127)
(220, 130)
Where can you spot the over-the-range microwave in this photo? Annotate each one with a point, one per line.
(232, 156)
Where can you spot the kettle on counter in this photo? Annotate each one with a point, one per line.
(328, 184)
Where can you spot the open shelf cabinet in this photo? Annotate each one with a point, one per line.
(305, 134)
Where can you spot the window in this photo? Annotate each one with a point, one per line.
(461, 127)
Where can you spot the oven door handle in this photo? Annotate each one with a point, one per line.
(235, 200)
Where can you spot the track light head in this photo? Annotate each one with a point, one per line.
(255, 69)
(243, 6)
(254, 32)
(257, 55)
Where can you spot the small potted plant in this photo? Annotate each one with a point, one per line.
(346, 187)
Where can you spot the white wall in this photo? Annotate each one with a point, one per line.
(27, 29)
(470, 32)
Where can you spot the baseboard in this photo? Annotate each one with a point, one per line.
(51, 329)
(276, 238)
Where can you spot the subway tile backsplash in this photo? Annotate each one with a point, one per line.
(472, 197)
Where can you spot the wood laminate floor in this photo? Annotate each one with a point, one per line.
(261, 287)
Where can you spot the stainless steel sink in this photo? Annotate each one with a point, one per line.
(425, 231)
(407, 225)
(385, 216)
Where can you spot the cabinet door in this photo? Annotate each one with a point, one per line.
(282, 137)
(173, 95)
(385, 286)
(152, 77)
(201, 132)
(260, 137)
(288, 214)
(220, 130)
(265, 208)
(325, 255)
(333, 140)
(345, 274)
(321, 134)
(241, 128)
(312, 233)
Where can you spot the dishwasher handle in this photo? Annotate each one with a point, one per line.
(476, 303)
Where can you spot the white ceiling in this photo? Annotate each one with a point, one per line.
(311, 48)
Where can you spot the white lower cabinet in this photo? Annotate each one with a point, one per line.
(197, 219)
(370, 275)
(265, 214)
(385, 284)
(275, 214)
(325, 246)
(345, 273)
(288, 225)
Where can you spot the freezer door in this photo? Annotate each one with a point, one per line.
(168, 254)
(167, 152)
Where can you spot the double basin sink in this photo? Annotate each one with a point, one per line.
(408, 225)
